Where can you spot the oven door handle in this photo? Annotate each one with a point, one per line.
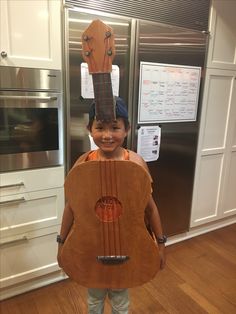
(12, 97)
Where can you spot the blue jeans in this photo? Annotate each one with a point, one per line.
(119, 299)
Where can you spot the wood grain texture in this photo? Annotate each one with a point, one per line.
(90, 237)
(200, 277)
(96, 46)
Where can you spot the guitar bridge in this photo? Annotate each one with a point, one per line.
(112, 259)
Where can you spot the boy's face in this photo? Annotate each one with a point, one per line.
(109, 136)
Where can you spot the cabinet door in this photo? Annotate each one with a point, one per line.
(222, 44)
(229, 195)
(30, 33)
(214, 186)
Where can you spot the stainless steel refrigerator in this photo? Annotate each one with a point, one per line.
(140, 40)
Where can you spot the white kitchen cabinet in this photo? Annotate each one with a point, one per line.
(31, 180)
(31, 207)
(30, 33)
(214, 197)
(215, 177)
(27, 256)
(229, 195)
(222, 43)
(24, 212)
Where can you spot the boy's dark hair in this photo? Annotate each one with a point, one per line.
(121, 112)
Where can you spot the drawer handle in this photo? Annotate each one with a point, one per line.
(12, 185)
(12, 97)
(24, 238)
(17, 200)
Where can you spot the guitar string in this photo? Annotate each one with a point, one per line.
(108, 181)
(104, 60)
(102, 212)
(106, 66)
(102, 94)
(106, 224)
(114, 206)
(110, 217)
(118, 218)
(100, 80)
(95, 84)
(106, 234)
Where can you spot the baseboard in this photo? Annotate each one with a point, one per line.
(32, 284)
(196, 231)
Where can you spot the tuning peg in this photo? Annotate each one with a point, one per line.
(85, 38)
(108, 34)
(109, 52)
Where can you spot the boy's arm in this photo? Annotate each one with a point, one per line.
(151, 212)
(153, 217)
(68, 218)
(67, 222)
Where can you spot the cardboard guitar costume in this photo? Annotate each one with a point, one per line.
(108, 245)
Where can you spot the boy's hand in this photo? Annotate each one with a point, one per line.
(162, 255)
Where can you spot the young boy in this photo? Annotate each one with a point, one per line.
(109, 137)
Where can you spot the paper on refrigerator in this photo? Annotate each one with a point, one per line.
(149, 139)
(87, 81)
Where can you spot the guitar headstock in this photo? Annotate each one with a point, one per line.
(98, 48)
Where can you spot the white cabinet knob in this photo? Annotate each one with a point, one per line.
(3, 54)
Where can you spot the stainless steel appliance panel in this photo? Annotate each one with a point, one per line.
(31, 120)
(185, 13)
(14, 78)
(173, 172)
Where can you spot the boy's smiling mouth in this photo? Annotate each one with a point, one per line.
(107, 142)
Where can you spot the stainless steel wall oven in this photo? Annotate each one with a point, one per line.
(31, 128)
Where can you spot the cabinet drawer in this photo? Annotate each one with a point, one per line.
(26, 258)
(30, 211)
(31, 180)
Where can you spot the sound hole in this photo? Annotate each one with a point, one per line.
(108, 209)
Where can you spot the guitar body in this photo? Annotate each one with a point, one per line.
(108, 245)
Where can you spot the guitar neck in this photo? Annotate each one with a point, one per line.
(104, 101)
